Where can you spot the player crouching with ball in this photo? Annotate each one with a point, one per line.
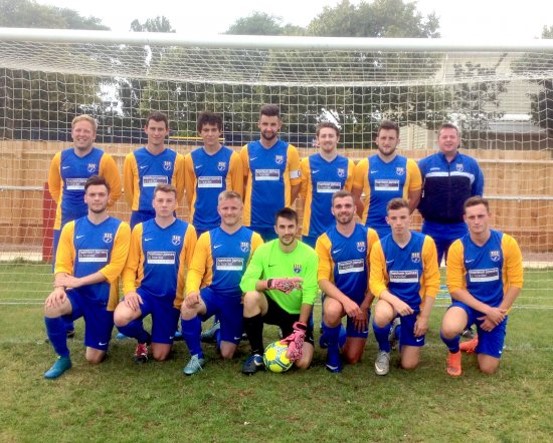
(280, 287)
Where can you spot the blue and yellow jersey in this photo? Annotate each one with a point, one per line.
(85, 248)
(487, 271)
(270, 173)
(206, 176)
(381, 182)
(410, 273)
(344, 261)
(220, 260)
(319, 180)
(157, 260)
(67, 176)
(143, 171)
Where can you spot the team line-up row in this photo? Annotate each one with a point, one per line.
(278, 284)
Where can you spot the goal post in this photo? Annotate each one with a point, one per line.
(500, 94)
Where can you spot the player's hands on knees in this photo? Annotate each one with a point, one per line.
(56, 298)
(285, 285)
(402, 308)
(493, 317)
(192, 299)
(421, 326)
(69, 281)
(133, 301)
(361, 321)
(352, 309)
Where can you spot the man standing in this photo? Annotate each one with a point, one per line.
(213, 281)
(343, 275)
(210, 170)
(69, 171)
(271, 169)
(449, 179)
(384, 176)
(323, 174)
(405, 279)
(484, 277)
(153, 278)
(280, 287)
(149, 166)
(91, 254)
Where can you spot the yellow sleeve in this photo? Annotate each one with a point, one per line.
(130, 178)
(199, 263)
(348, 185)
(257, 241)
(179, 177)
(189, 180)
(293, 165)
(235, 177)
(245, 160)
(455, 267)
(187, 253)
(55, 184)
(119, 254)
(131, 277)
(65, 254)
(378, 276)
(326, 264)
(108, 169)
(414, 174)
(513, 272)
(305, 177)
(359, 174)
(431, 272)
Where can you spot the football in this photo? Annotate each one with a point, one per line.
(275, 358)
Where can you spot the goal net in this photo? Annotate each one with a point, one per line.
(501, 98)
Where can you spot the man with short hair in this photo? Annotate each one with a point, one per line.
(280, 287)
(449, 179)
(69, 171)
(484, 278)
(213, 281)
(149, 166)
(405, 279)
(271, 170)
(91, 254)
(323, 174)
(384, 176)
(153, 278)
(210, 170)
(343, 275)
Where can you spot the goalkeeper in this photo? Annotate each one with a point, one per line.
(280, 287)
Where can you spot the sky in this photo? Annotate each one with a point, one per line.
(487, 20)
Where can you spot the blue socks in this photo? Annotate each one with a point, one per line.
(55, 328)
(191, 333)
(135, 329)
(382, 334)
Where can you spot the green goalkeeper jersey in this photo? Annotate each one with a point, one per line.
(269, 261)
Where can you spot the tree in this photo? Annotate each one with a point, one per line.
(158, 24)
(40, 100)
(261, 23)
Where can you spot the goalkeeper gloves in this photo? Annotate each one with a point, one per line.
(295, 341)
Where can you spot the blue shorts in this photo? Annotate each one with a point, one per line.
(489, 343)
(98, 320)
(352, 332)
(228, 309)
(140, 217)
(407, 331)
(165, 318)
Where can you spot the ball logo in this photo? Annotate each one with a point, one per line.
(108, 237)
(297, 269)
(244, 246)
(400, 171)
(91, 168)
(222, 166)
(459, 167)
(361, 246)
(495, 255)
(341, 172)
(167, 165)
(176, 240)
(279, 159)
(416, 257)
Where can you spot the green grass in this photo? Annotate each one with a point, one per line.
(121, 401)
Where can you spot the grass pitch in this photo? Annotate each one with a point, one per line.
(121, 401)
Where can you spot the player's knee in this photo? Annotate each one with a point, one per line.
(449, 330)
(187, 313)
(352, 358)
(488, 367)
(227, 354)
(251, 301)
(120, 319)
(332, 317)
(160, 354)
(381, 318)
(95, 358)
(409, 364)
